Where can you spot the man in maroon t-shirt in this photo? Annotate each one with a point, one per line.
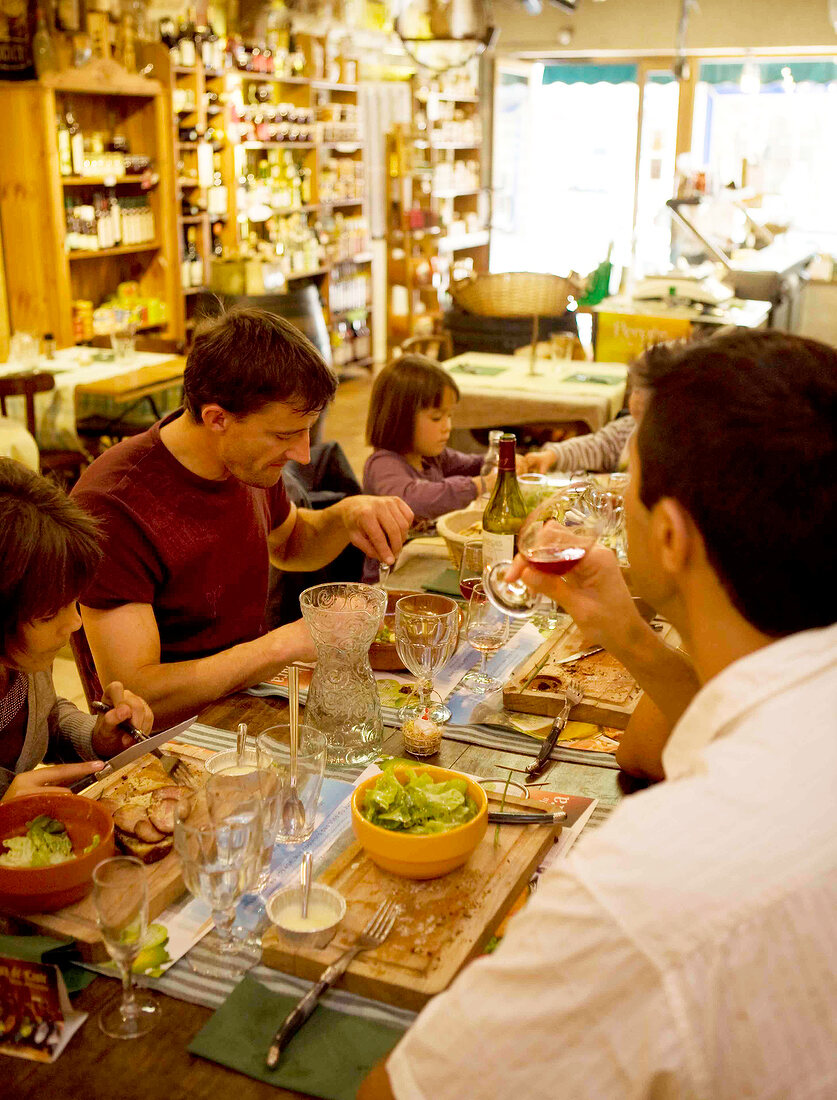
(194, 510)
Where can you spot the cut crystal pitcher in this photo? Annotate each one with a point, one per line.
(343, 700)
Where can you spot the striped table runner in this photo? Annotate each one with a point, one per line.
(486, 737)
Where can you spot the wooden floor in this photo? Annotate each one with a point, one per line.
(345, 422)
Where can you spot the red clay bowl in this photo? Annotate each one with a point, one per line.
(44, 889)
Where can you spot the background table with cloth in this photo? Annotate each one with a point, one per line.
(498, 389)
(89, 381)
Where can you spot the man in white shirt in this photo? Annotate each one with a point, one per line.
(686, 948)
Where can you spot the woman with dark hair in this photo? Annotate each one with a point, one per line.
(50, 550)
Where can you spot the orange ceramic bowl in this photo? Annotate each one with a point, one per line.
(421, 857)
(44, 889)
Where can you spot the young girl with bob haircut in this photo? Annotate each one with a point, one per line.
(409, 425)
(50, 550)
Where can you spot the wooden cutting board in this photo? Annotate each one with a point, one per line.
(165, 879)
(443, 922)
(610, 692)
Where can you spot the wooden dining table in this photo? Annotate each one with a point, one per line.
(158, 1066)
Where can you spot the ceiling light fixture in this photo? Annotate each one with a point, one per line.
(444, 34)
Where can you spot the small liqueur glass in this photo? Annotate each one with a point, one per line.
(120, 896)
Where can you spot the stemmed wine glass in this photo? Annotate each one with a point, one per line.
(609, 504)
(470, 568)
(120, 895)
(554, 538)
(426, 635)
(487, 631)
(220, 864)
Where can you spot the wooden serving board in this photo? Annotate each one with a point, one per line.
(443, 922)
(165, 879)
(610, 692)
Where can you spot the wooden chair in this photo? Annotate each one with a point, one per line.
(62, 466)
(436, 345)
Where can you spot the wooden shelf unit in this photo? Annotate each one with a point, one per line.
(239, 157)
(426, 187)
(42, 279)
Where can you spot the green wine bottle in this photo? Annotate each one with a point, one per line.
(505, 511)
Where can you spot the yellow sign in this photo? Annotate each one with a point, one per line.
(621, 337)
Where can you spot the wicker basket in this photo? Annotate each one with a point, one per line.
(513, 294)
(451, 527)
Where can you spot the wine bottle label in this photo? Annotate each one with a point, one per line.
(496, 548)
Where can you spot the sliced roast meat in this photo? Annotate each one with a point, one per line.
(180, 798)
(163, 815)
(148, 832)
(127, 818)
(163, 793)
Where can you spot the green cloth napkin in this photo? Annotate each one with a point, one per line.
(328, 1057)
(596, 379)
(48, 950)
(446, 584)
(477, 368)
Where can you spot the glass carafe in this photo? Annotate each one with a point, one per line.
(343, 700)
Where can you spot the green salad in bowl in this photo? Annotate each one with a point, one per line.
(45, 843)
(418, 805)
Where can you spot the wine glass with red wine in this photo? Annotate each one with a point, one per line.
(470, 568)
(554, 539)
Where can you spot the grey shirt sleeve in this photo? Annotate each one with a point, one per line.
(599, 451)
(53, 723)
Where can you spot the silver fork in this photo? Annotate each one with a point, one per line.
(572, 696)
(179, 771)
(373, 935)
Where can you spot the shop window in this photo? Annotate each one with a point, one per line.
(770, 129)
(565, 160)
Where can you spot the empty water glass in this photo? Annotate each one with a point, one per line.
(244, 796)
(274, 750)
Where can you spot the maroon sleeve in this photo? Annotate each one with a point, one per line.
(387, 474)
(455, 463)
(131, 569)
(280, 505)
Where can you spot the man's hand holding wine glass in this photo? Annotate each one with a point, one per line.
(593, 592)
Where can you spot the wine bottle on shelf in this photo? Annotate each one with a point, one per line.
(186, 42)
(65, 155)
(43, 48)
(196, 269)
(505, 512)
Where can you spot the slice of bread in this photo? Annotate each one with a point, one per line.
(141, 849)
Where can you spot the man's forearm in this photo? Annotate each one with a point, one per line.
(315, 541)
(665, 674)
(175, 691)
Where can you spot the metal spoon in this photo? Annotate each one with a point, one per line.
(293, 812)
(305, 881)
(241, 744)
(383, 573)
